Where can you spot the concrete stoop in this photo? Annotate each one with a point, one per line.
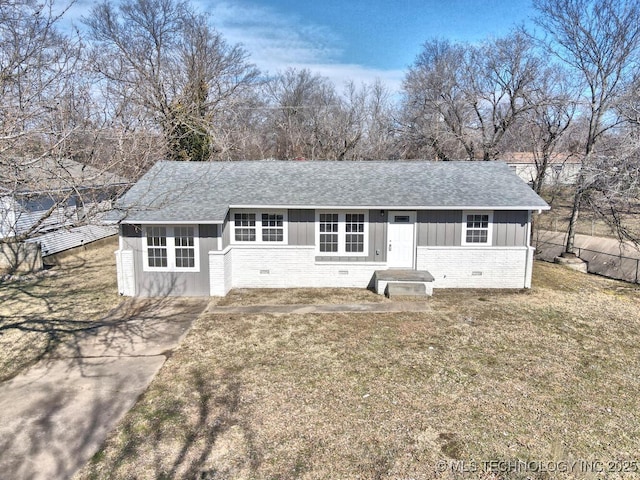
(404, 283)
(406, 289)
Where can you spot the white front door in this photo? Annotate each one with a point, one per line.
(401, 239)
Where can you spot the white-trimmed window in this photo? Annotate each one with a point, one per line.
(342, 233)
(328, 228)
(171, 248)
(244, 227)
(185, 241)
(476, 228)
(259, 227)
(272, 227)
(354, 232)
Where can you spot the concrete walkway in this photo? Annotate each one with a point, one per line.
(57, 414)
(379, 307)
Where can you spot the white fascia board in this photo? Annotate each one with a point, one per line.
(389, 207)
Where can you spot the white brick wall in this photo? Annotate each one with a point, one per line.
(477, 267)
(220, 270)
(291, 266)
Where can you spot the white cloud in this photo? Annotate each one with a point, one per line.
(341, 73)
(274, 38)
(277, 41)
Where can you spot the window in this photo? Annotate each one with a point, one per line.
(342, 233)
(245, 227)
(157, 246)
(185, 247)
(272, 227)
(171, 248)
(476, 228)
(328, 232)
(259, 227)
(354, 228)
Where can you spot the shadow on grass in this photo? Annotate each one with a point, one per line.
(161, 421)
(74, 313)
(89, 373)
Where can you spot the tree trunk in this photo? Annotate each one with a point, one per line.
(575, 212)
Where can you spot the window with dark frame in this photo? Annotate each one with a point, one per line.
(328, 225)
(477, 230)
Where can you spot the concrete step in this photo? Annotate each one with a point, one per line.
(406, 289)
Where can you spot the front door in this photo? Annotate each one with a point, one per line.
(401, 239)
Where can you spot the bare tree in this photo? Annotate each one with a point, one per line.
(380, 125)
(39, 98)
(543, 130)
(599, 42)
(469, 94)
(435, 112)
(504, 74)
(37, 69)
(168, 60)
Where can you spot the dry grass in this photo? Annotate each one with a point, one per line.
(547, 375)
(39, 312)
(301, 296)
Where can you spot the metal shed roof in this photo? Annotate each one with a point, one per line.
(203, 192)
(63, 239)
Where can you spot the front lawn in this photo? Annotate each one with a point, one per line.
(42, 312)
(548, 375)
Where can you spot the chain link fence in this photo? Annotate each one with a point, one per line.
(619, 267)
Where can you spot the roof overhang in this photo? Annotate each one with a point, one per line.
(392, 207)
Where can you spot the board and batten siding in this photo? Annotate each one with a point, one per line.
(443, 228)
(510, 228)
(226, 231)
(302, 227)
(166, 283)
(439, 228)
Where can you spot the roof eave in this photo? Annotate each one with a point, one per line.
(394, 207)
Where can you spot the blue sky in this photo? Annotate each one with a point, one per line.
(355, 40)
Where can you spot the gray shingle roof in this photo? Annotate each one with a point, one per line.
(203, 192)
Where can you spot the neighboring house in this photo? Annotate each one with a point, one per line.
(203, 228)
(55, 203)
(563, 169)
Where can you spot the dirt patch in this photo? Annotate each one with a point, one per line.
(299, 296)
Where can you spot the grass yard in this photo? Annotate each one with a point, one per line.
(549, 375)
(41, 312)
